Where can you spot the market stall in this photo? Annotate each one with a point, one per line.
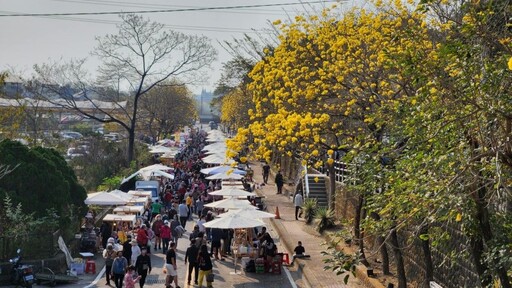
(133, 210)
(242, 239)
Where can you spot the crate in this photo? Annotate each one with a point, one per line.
(78, 268)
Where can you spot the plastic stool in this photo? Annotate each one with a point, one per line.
(286, 259)
(90, 267)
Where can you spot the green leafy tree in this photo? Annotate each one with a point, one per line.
(42, 181)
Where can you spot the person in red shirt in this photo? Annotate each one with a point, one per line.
(165, 233)
(142, 236)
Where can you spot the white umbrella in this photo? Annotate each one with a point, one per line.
(232, 192)
(104, 199)
(248, 213)
(233, 221)
(230, 203)
(222, 169)
(225, 175)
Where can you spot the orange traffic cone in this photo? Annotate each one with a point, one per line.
(277, 213)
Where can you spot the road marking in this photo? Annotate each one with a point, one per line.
(290, 278)
(97, 279)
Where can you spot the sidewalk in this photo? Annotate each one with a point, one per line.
(291, 231)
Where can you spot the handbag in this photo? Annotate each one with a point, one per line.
(210, 277)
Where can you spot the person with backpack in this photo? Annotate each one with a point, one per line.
(109, 254)
(118, 269)
(175, 230)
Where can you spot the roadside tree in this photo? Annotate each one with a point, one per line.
(142, 55)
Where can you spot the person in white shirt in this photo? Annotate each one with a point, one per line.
(298, 201)
(200, 224)
(135, 252)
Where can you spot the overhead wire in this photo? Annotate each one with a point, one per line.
(164, 10)
(163, 6)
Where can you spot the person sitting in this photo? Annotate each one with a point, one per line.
(299, 252)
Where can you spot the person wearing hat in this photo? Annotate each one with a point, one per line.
(135, 251)
(165, 233)
(143, 266)
(109, 254)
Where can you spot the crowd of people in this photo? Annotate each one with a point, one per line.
(163, 224)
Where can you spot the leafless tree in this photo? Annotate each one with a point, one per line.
(140, 56)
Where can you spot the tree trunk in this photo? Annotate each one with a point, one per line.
(131, 144)
(427, 254)
(384, 254)
(484, 223)
(399, 260)
(332, 187)
(477, 250)
(359, 233)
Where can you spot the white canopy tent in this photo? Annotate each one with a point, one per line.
(248, 213)
(158, 149)
(225, 176)
(122, 195)
(215, 146)
(232, 192)
(147, 172)
(217, 159)
(222, 169)
(136, 210)
(234, 221)
(140, 193)
(104, 199)
(120, 218)
(230, 203)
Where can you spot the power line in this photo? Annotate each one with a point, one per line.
(160, 10)
(125, 4)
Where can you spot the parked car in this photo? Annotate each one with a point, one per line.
(70, 135)
(112, 137)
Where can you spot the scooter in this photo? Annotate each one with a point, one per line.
(21, 274)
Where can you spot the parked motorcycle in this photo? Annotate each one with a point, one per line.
(21, 274)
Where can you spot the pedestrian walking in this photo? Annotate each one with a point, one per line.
(183, 212)
(143, 266)
(298, 201)
(205, 266)
(191, 258)
(129, 279)
(109, 254)
(266, 172)
(279, 180)
(165, 233)
(136, 251)
(119, 268)
(171, 267)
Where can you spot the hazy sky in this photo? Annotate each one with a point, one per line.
(31, 40)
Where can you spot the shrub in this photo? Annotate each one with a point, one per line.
(309, 207)
(326, 219)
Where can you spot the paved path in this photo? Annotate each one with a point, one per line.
(291, 231)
